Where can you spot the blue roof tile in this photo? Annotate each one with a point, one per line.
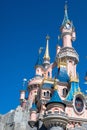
(39, 61)
(62, 75)
(47, 85)
(55, 98)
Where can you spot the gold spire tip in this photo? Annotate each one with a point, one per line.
(46, 55)
(55, 84)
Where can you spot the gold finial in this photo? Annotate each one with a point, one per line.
(55, 84)
(79, 90)
(55, 87)
(46, 55)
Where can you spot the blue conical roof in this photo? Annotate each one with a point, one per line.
(47, 85)
(66, 19)
(55, 98)
(39, 61)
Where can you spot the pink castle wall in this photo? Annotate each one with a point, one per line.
(71, 113)
(67, 38)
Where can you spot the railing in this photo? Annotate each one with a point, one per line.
(55, 113)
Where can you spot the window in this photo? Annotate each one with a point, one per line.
(50, 94)
(56, 112)
(48, 74)
(47, 93)
(65, 92)
(44, 93)
(49, 112)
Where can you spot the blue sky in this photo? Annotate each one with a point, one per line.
(24, 25)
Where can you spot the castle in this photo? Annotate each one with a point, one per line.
(54, 101)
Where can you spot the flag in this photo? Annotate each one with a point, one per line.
(40, 50)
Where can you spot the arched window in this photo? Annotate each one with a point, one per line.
(65, 92)
(47, 93)
(48, 74)
(50, 94)
(44, 93)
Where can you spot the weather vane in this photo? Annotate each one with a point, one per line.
(58, 37)
(24, 82)
(40, 50)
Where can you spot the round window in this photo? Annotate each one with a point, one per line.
(79, 104)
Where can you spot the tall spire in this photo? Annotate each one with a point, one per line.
(66, 19)
(46, 55)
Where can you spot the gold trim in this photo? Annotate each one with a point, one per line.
(47, 80)
(74, 79)
(61, 64)
(46, 55)
(55, 84)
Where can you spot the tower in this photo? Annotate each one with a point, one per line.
(38, 65)
(23, 94)
(67, 56)
(55, 117)
(33, 115)
(46, 57)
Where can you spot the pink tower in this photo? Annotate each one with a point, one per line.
(67, 56)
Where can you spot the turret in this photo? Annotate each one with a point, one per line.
(55, 117)
(33, 87)
(46, 57)
(23, 94)
(67, 56)
(67, 30)
(33, 115)
(22, 98)
(38, 65)
(44, 95)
